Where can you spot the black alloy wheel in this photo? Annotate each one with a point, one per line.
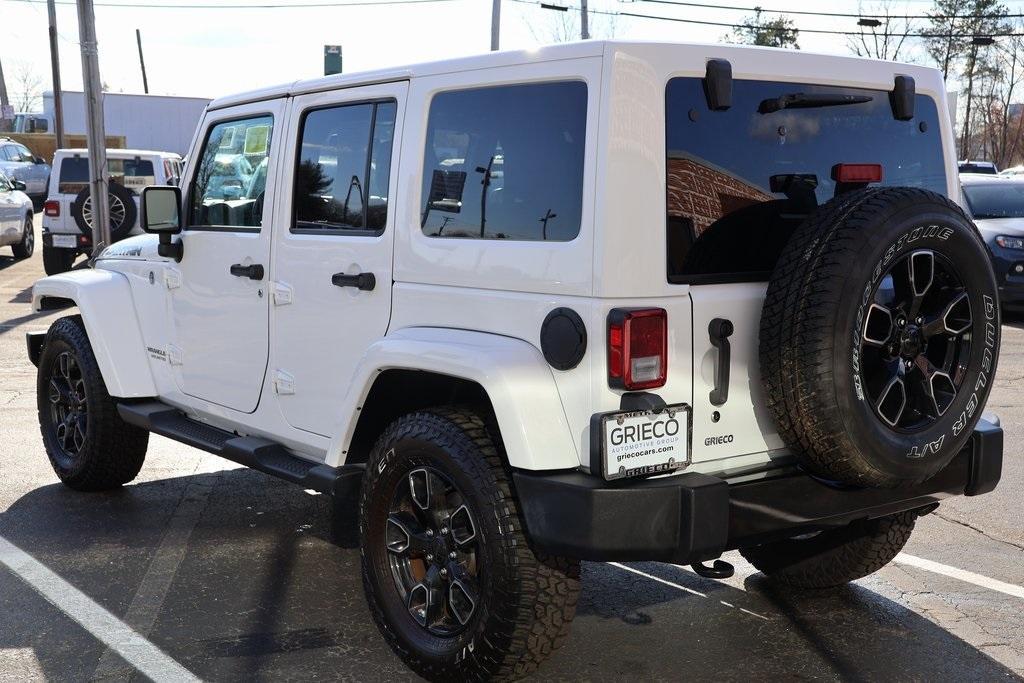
(431, 540)
(916, 341)
(68, 406)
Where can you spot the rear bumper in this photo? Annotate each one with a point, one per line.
(694, 517)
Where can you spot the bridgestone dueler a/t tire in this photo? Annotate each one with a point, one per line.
(527, 601)
(811, 326)
(113, 451)
(836, 557)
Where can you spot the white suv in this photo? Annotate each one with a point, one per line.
(67, 219)
(602, 301)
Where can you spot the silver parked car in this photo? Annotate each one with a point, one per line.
(15, 217)
(20, 164)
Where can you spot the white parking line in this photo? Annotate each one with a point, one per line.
(677, 586)
(961, 574)
(104, 626)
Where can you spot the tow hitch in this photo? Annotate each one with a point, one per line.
(719, 570)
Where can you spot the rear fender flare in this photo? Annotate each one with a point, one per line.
(512, 372)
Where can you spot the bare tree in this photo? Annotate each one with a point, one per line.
(27, 88)
(884, 41)
(1002, 119)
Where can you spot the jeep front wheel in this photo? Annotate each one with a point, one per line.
(449, 575)
(90, 447)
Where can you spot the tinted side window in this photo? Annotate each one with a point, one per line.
(341, 180)
(506, 162)
(741, 180)
(228, 187)
(23, 153)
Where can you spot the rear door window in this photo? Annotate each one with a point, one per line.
(740, 181)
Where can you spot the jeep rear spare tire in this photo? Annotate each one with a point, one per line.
(879, 336)
(122, 211)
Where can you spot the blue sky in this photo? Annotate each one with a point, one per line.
(210, 52)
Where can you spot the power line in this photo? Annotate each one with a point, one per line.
(702, 22)
(847, 15)
(300, 5)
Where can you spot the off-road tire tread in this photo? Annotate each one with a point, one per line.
(115, 449)
(796, 336)
(57, 261)
(538, 603)
(834, 558)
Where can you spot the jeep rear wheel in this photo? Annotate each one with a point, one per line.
(89, 446)
(57, 261)
(879, 337)
(834, 557)
(449, 575)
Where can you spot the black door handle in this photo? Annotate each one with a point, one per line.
(720, 330)
(361, 281)
(253, 272)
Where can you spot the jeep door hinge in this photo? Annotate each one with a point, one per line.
(174, 355)
(282, 294)
(284, 383)
(172, 278)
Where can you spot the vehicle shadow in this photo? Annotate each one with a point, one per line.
(234, 575)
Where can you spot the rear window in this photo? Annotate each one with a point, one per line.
(998, 200)
(740, 181)
(506, 162)
(132, 173)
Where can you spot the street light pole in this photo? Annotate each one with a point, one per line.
(584, 23)
(58, 97)
(495, 25)
(95, 134)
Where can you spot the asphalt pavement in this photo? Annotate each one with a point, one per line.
(200, 568)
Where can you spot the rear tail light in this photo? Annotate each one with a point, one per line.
(52, 208)
(857, 173)
(637, 348)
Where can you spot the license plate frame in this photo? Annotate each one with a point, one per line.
(610, 454)
(65, 241)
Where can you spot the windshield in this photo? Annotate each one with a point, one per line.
(996, 200)
(739, 181)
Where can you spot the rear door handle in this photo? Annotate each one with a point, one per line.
(253, 272)
(720, 330)
(362, 281)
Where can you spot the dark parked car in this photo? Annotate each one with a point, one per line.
(997, 204)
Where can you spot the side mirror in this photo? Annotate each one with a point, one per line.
(39, 160)
(18, 185)
(161, 215)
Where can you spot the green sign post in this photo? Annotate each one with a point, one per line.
(332, 59)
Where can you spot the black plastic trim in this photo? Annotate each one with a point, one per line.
(694, 517)
(256, 452)
(34, 342)
(902, 98)
(718, 84)
(563, 339)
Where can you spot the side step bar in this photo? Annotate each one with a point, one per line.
(255, 452)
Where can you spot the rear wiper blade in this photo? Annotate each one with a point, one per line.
(801, 100)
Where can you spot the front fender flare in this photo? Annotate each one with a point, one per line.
(104, 299)
(518, 382)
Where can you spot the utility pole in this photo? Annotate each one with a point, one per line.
(495, 24)
(142, 62)
(58, 97)
(95, 133)
(4, 103)
(584, 23)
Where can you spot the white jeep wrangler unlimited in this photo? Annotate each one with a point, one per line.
(601, 301)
